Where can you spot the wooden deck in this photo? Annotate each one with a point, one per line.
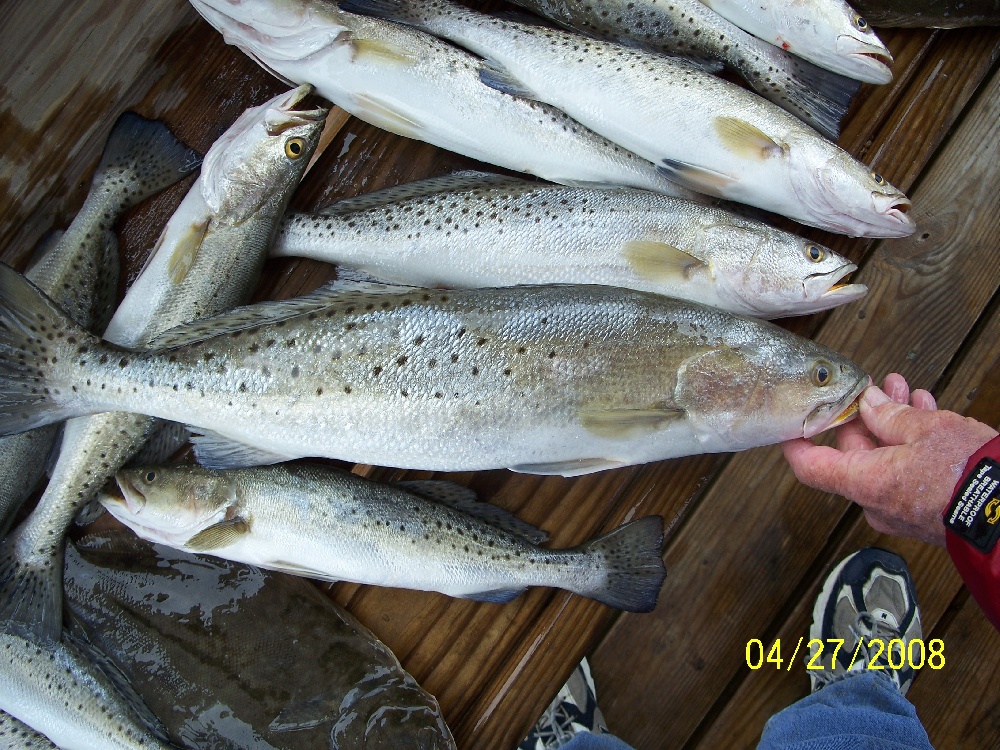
(747, 546)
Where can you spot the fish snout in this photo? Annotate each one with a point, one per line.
(133, 500)
(870, 61)
(895, 210)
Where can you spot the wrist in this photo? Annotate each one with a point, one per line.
(973, 513)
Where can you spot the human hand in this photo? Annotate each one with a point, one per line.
(900, 461)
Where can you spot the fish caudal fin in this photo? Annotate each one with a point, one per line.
(632, 563)
(141, 158)
(33, 332)
(30, 588)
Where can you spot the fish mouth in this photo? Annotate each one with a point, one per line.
(824, 291)
(868, 62)
(130, 497)
(837, 412)
(282, 114)
(895, 210)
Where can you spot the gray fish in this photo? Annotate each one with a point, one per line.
(557, 379)
(691, 28)
(16, 735)
(217, 633)
(79, 267)
(207, 260)
(479, 230)
(425, 535)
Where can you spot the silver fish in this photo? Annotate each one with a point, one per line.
(479, 230)
(829, 33)
(424, 535)
(416, 86)
(707, 134)
(207, 260)
(16, 735)
(548, 380)
(691, 28)
(79, 267)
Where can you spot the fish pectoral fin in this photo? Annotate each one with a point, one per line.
(186, 251)
(746, 140)
(571, 468)
(659, 261)
(219, 535)
(696, 178)
(462, 498)
(215, 451)
(624, 424)
(376, 51)
(496, 77)
(496, 596)
(386, 116)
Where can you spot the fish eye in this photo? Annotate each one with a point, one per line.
(150, 476)
(295, 147)
(860, 23)
(815, 253)
(879, 179)
(822, 374)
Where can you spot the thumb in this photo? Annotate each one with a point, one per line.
(890, 422)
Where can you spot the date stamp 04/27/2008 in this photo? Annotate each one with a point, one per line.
(878, 654)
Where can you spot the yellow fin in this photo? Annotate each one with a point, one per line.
(184, 255)
(379, 51)
(383, 115)
(623, 424)
(696, 178)
(659, 261)
(746, 140)
(218, 535)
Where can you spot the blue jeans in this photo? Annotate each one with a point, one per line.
(861, 712)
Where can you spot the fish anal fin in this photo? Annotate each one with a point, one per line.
(497, 596)
(215, 451)
(186, 251)
(384, 115)
(221, 534)
(746, 140)
(659, 261)
(696, 178)
(498, 78)
(573, 467)
(625, 424)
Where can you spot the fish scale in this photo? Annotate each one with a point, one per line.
(493, 231)
(558, 379)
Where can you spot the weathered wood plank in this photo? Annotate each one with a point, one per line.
(927, 292)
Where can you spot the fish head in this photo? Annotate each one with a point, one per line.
(773, 274)
(262, 156)
(843, 195)
(171, 504)
(759, 384)
(841, 40)
(275, 32)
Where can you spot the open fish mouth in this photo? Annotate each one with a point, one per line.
(894, 210)
(283, 115)
(824, 291)
(128, 496)
(871, 61)
(836, 413)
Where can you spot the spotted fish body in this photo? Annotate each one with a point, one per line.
(707, 134)
(424, 535)
(691, 28)
(79, 269)
(208, 260)
(16, 735)
(416, 86)
(560, 379)
(477, 230)
(829, 33)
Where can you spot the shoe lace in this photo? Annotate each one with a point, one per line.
(865, 628)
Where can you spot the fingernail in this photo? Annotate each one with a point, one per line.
(874, 396)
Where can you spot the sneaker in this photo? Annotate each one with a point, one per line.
(573, 710)
(869, 597)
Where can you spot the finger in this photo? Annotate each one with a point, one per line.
(818, 466)
(854, 436)
(897, 388)
(923, 400)
(892, 423)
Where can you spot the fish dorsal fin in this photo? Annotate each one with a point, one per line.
(462, 498)
(219, 535)
(215, 451)
(497, 77)
(746, 140)
(626, 424)
(659, 261)
(458, 181)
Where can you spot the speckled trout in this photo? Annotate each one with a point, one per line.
(478, 230)
(549, 380)
(428, 535)
(692, 29)
(709, 135)
(829, 33)
(416, 86)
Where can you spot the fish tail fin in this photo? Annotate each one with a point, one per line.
(34, 335)
(31, 587)
(632, 563)
(815, 95)
(141, 158)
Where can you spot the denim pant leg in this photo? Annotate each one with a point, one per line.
(864, 711)
(592, 741)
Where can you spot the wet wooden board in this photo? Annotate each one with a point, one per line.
(740, 562)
